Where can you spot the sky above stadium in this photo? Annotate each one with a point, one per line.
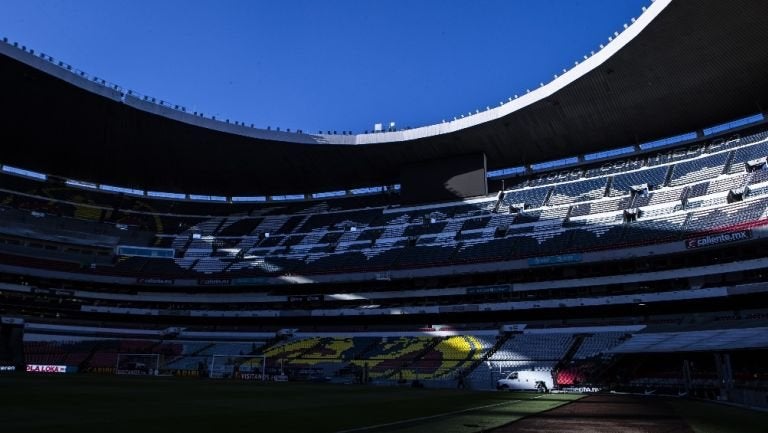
(340, 65)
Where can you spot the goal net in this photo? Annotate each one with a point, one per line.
(138, 363)
(243, 367)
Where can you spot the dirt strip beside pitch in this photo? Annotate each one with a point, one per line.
(604, 413)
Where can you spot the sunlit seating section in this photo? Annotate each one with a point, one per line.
(699, 169)
(658, 197)
(532, 198)
(734, 214)
(534, 347)
(621, 184)
(743, 155)
(451, 356)
(583, 190)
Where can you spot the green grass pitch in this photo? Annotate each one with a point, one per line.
(115, 404)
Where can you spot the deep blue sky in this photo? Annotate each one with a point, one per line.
(312, 64)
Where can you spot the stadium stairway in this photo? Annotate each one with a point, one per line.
(500, 341)
(565, 361)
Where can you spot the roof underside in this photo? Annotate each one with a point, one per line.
(696, 64)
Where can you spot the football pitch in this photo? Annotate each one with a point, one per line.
(116, 404)
(84, 403)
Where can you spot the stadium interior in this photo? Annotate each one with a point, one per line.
(636, 263)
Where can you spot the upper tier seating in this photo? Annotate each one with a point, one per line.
(585, 190)
(622, 183)
(660, 197)
(698, 169)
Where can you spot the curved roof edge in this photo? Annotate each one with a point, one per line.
(679, 67)
(616, 43)
(115, 92)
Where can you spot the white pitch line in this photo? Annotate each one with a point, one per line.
(424, 418)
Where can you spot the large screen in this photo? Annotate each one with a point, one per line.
(445, 179)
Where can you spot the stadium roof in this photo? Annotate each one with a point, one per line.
(681, 66)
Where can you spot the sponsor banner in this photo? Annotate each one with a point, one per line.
(554, 260)
(155, 281)
(45, 368)
(214, 282)
(718, 238)
(581, 389)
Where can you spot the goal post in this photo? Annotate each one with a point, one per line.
(243, 367)
(138, 364)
